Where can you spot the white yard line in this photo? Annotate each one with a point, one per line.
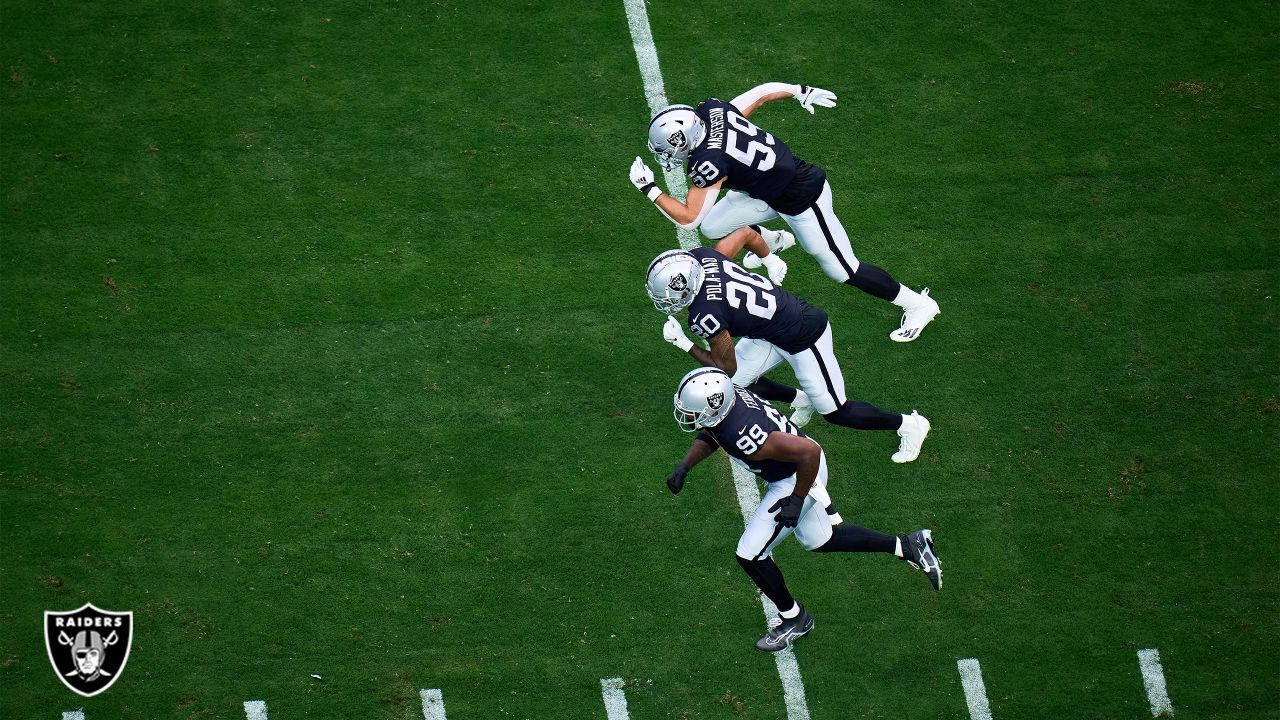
(432, 704)
(73, 715)
(975, 691)
(651, 73)
(744, 481)
(255, 709)
(1153, 679)
(615, 700)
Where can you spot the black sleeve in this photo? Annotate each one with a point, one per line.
(707, 438)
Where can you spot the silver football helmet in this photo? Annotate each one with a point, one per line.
(703, 399)
(673, 133)
(673, 280)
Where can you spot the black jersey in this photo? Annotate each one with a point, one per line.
(745, 429)
(754, 161)
(749, 305)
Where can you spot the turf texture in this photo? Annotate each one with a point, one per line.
(325, 351)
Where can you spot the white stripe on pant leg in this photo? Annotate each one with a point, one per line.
(255, 709)
(73, 715)
(1153, 680)
(432, 704)
(615, 700)
(656, 94)
(975, 691)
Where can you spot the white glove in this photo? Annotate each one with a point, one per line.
(642, 178)
(674, 334)
(812, 96)
(776, 266)
(751, 261)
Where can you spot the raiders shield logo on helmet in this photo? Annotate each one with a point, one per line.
(677, 140)
(678, 283)
(715, 401)
(88, 647)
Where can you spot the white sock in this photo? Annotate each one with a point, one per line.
(788, 614)
(907, 298)
(897, 547)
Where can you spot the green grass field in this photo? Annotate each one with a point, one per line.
(325, 350)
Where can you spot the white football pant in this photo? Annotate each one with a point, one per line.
(816, 368)
(755, 359)
(817, 229)
(735, 210)
(813, 530)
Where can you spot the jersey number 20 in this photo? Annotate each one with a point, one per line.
(742, 291)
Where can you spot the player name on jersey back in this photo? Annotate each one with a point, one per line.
(748, 305)
(752, 161)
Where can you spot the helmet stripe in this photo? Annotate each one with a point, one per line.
(698, 374)
(667, 109)
(663, 256)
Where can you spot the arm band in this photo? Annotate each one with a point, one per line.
(651, 191)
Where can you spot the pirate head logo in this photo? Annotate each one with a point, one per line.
(88, 647)
(715, 401)
(677, 140)
(678, 283)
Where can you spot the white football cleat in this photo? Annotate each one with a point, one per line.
(784, 241)
(801, 410)
(915, 428)
(915, 319)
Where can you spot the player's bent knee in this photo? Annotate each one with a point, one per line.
(750, 552)
(715, 231)
(832, 269)
(824, 547)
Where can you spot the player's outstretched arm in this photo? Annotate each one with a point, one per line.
(747, 237)
(686, 215)
(744, 237)
(807, 456)
(809, 97)
(721, 353)
(700, 450)
(798, 449)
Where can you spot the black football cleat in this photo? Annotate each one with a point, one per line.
(919, 553)
(783, 632)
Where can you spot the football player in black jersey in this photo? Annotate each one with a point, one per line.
(725, 301)
(721, 149)
(795, 469)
